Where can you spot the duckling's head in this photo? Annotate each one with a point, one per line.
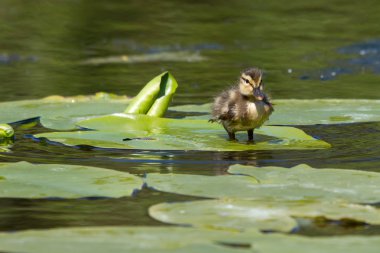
(250, 83)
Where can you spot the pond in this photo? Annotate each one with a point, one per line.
(308, 50)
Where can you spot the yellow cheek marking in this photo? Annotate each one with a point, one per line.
(247, 77)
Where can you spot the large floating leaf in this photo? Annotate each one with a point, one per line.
(274, 183)
(132, 131)
(123, 239)
(353, 185)
(298, 244)
(58, 112)
(25, 180)
(261, 214)
(176, 239)
(310, 112)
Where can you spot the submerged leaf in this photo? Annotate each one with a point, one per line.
(132, 131)
(263, 214)
(25, 180)
(275, 183)
(179, 56)
(224, 215)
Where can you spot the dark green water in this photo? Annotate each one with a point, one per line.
(324, 49)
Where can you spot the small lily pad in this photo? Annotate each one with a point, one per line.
(6, 132)
(134, 131)
(26, 180)
(275, 183)
(6, 137)
(260, 214)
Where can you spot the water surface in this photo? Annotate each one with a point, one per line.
(324, 49)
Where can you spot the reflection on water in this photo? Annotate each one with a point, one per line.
(308, 49)
(48, 213)
(43, 42)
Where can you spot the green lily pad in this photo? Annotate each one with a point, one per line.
(261, 214)
(275, 183)
(353, 185)
(62, 113)
(310, 112)
(6, 131)
(176, 239)
(132, 131)
(6, 137)
(275, 243)
(25, 180)
(123, 239)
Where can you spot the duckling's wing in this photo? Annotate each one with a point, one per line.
(223, 112)
(226, 116)
(223, 107)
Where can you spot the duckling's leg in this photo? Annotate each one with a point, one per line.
(250, 134)
(232, 136)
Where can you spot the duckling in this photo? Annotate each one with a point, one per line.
(244, 106)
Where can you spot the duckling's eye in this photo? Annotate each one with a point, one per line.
(245, 80)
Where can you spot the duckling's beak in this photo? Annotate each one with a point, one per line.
(258, 94)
